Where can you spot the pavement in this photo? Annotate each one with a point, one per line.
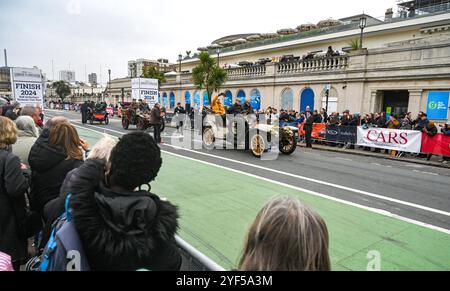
(397, 209)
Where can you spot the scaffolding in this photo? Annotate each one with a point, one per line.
(412, 8)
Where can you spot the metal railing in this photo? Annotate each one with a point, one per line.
(193, 260)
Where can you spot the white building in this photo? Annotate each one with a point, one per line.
(67, 76)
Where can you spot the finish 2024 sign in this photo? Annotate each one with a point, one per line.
(27, 86)
(146, 89)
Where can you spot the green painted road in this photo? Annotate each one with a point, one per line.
(218, 205)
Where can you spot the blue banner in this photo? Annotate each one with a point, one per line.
(437, 105)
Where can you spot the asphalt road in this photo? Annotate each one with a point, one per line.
(408, 191)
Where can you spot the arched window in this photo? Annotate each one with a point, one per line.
(172, 100)
(307, 100)
(228, 101)
(197, 99)
(164, 99)
(187, 98)
(287, 99)
(255, 98)
(332, 100)
(205, 99)
(241, 95)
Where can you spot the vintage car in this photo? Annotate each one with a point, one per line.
(256, 137)
(98, 115)
(134, 116)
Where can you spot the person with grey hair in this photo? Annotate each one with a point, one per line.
(26, 137)
(35, 113)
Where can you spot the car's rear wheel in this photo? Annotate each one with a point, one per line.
(208, 138)
(125, 123)
(257, 145)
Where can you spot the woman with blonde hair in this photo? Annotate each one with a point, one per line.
(13, 185)
(286, 236)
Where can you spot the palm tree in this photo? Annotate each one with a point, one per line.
(208, 75)
(355, 44)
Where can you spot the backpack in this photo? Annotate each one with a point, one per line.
(64, 250)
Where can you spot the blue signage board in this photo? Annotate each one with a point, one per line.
(437, 104)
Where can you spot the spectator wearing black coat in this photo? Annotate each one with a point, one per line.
(156, 121)
(236, 108)
(317, 117)
(431, 130)
(56, 152)
(121, 228)
(308, 127)
(13, 185)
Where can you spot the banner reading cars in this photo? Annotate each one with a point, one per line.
(147, 89)
(391, 139)
(27, 86)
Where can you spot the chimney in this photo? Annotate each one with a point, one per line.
(388, 15)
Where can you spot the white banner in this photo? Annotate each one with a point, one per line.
(27, 86)
(391, 139)
(147, 89)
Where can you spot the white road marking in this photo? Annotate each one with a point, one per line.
(344, 159)
(426, 173)
(379, 211)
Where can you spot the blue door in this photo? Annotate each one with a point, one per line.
(165, 99)
(205, 99)
(228, 98)
(256, 99)
(241, 95)
(307, 99)
(172, 100)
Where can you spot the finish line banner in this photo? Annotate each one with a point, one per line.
(27, 86)
(390, 139)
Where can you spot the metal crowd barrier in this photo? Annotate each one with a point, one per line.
(193, 260)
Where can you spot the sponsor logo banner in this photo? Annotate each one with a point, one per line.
(437, 106)
(341, 134)
(391, 139)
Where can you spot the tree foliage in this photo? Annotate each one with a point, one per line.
(153, 72)
(62, 89)
(208, 75)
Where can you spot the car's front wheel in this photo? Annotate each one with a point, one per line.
(208, 138)
(257, 145)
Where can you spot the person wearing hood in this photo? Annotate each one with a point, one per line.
(121, 227)
(56, 152)
(26, 137)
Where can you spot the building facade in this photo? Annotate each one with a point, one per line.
(136, 68)
(403, 60)
(92, 78)
(67, 76)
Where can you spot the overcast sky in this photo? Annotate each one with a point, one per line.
(108, 33)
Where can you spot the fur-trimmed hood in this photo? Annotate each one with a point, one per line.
(123, 231)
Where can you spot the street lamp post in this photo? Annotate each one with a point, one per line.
(362, 25)
(109, 84)
(327, 95)
(180, 58)
(218, 51)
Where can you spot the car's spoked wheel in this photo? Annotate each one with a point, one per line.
(288, 145)
(208, 138)
(257, 145)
